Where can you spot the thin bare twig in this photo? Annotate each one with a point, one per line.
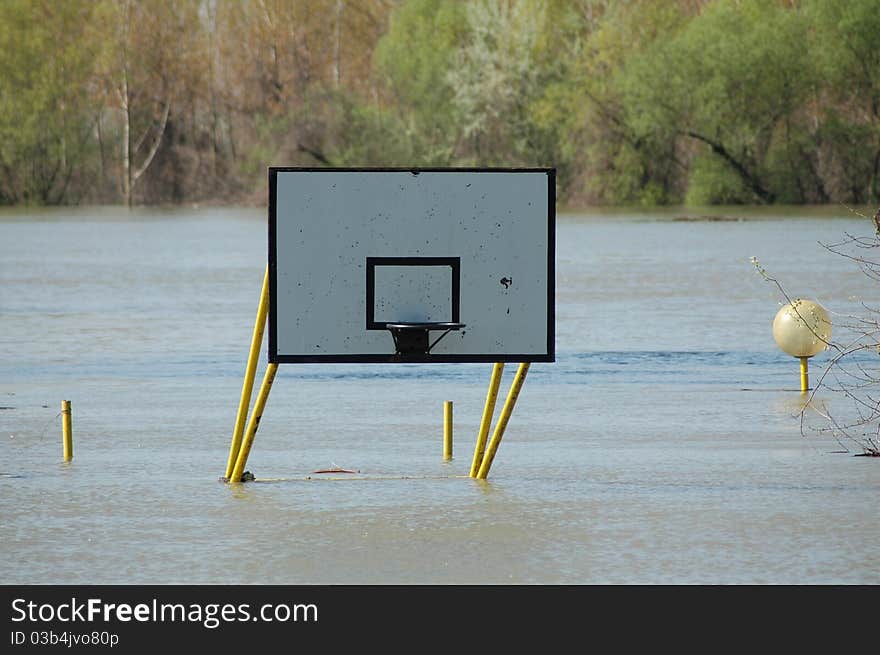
(849, 372)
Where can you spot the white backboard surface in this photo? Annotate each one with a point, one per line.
(353, 249)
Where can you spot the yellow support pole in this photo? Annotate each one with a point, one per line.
(247, 387)
(66, 430)
(447, 430)
(506, 411)
(254, 423)
(488, 411)
(805, 376)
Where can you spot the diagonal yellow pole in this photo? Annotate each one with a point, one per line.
(488, 411)
(254, 423)
(247, 387)
(506, 411)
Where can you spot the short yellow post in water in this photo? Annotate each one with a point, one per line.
(447, 430)
(254, 423)
(66, 430)
(805, 375)
(488, 411)
(247, 387)
(506, 411)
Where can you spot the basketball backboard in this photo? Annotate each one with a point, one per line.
(362, 260)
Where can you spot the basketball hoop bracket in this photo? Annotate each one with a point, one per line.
(413, 338)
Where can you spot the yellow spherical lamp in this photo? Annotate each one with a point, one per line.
(802, 328)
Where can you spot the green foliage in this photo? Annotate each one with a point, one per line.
(633, 101)
(368, 136)
(616, 163)
(495, 79)
(856, 151)
(846, 39)
(46, 116)
(848, 60)
(712, 182)
(414, 59)
(263, 148)
(725, 80)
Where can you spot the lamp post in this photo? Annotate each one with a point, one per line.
(802, 328)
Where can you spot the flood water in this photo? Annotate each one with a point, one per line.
(662, 447)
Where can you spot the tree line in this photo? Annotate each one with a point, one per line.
(633, 101)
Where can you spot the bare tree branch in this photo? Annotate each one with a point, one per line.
(851, 371)
(160, 132)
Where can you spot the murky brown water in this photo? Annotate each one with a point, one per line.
(638, 457)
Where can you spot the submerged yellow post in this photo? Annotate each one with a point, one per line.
(66, 430)
(247, 387)
(506, 411)
(805, 376)
(253, 424)
(447, 430)
(488, 411)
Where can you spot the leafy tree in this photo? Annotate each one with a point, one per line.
(47, 114)
(848, 114)
(367, 135)
(579, 118)
(143, 71)
(413, 60)
(494, 77)
(633, 101)
(726, 81)
(284, 67)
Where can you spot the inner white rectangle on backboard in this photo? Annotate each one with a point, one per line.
(412, 290)
(409, 294)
